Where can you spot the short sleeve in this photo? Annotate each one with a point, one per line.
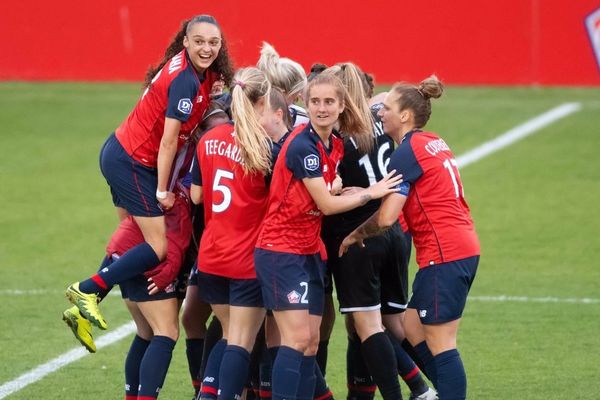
(195, 171)
(183, 92)
(404, 161)
(303, 159)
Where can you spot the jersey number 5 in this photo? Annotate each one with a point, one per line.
(452, 166)
(219, 186)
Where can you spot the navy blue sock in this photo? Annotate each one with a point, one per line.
(358, 379)
(266, 369)
(154, 366)
(451, 377)
(103, 292)
(214, 333)
(322, 391)
(407, 368)
(426, 357)
(135, 261)
(210, 381)
(132, 366)
(322, 353)
(233, 373)
(380, 358)
(193, 351)
(286, 373)
(306, 388)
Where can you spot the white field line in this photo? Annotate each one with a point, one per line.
(527, 299)
(517, 133)
(64, 359)
(484, 150)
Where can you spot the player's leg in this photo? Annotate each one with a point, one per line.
(137, 350)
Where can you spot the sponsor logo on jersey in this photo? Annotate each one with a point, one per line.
(311, 162)
(185, 106)
(293, 297)
(199, 99)
(170, 288)
(592, 23)
(176, 63)
(422, 313)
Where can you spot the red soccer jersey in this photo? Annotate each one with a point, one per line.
(293, 221)
(234, 206)
(177, 91)
(436, 212)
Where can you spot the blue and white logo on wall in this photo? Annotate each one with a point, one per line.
(311, 162)
(592, 23)
(185, 106)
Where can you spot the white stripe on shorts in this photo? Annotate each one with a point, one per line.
(354, 309)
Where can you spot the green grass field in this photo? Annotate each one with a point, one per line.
(535, 205)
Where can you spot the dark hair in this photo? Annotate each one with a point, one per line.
(222, 65)
(369, 84)
(417, 98)
(315, 70)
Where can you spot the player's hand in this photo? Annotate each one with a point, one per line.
(167, 203)
(349, 241)
(336, 187)
(152, 288)
(389, 184)
(217, 88)
(349, 190)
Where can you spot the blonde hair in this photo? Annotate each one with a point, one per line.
(351, 121)
(283, 73)
(249, 86)
(417, 98)
(353, 79)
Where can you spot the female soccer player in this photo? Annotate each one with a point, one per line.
(432, 199)
(230, 179)
(288, 255)
(286, 75)
(369, 281)
(137, 159)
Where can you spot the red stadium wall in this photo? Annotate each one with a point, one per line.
(464, 42)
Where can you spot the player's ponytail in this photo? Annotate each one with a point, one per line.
(283, 73)
(418, 98)
(249, 86)
(354, 81)
(351, 120)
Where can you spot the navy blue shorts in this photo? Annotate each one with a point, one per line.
(132, 184)
(193, 277)
(136, 289)
(291, 281)
(440, 291)
(215, 289)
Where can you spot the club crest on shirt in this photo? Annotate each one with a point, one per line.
(311, 162)
(185, 106)
(293, 297)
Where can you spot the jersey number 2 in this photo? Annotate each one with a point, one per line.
(218, 186)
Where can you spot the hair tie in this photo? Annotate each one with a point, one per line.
(240, 83)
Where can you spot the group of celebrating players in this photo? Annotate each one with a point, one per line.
(249, 207)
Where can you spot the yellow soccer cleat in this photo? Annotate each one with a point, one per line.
(87, 305)
(81, 328)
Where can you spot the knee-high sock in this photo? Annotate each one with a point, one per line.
(407, 368)
(214, 333)
(233, 373)
(193, 352)
(379, 356)
(286, 373)
(210, 382)
(266, 369)
(426, 357)
(358, 378)
(132, 366)
(154, 367)
(322, 353)
(135, 261)
(322, 391)
(306, 388)
(451, 377)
